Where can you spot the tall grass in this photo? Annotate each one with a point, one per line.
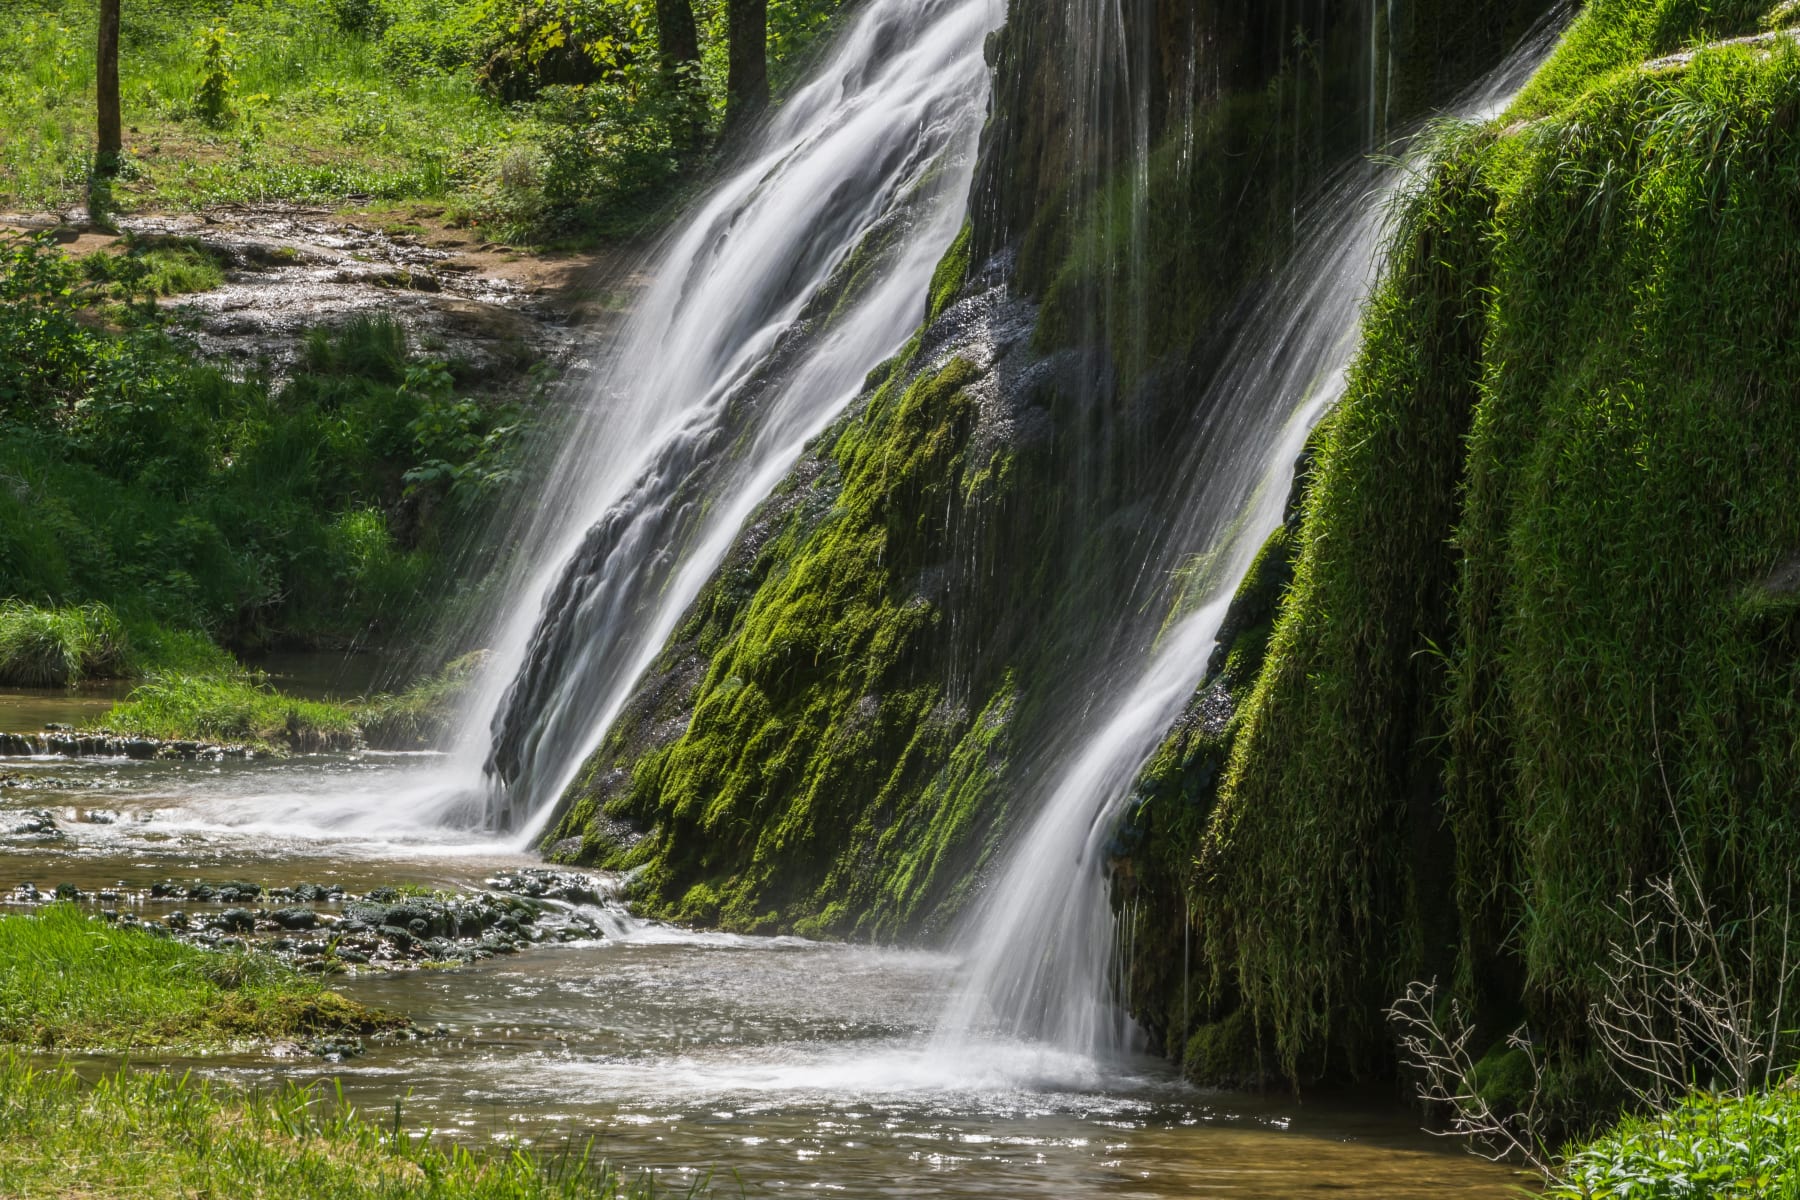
(153, 1135)
(54, 647)
(235, 707)
(71, 980)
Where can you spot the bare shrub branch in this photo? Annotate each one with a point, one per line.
(1438, 1050)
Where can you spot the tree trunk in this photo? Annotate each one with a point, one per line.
(677, 37)
(106, 90)
(747, 81)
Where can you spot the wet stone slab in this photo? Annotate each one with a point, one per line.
(322, 929)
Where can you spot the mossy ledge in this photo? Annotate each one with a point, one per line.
(1543, 628)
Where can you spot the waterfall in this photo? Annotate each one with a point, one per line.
(802, 271)
(1040, 947)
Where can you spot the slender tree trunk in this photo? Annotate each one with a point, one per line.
(106, 90)
(678, 52)
(747, 80)
(677, 37)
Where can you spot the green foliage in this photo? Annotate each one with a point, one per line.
(1612, 36)
(71, 981)
(213, 98)
(154, 267)
(156, 1135)
(44, 647)
(1709, 1147)
(537, 119)
(418, 718)
(134, 475)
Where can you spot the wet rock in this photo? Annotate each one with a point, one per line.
(237, 920)
(295, 918)
(543, 883)
(68, 892)
(176, 920)
(38, 821)
(337, 1049)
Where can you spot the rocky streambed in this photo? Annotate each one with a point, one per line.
(321, 928)
(495, 310)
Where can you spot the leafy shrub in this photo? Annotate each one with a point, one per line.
(133, 474)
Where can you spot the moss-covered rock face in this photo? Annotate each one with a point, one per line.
(1542, 628)
(836, 738)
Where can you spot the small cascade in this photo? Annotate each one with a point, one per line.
(1041, 946)
(802, 271)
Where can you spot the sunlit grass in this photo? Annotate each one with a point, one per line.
(68, 980)
(156, 1135)
(314, 112)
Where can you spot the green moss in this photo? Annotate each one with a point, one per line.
(951, 274)
(1227, 1053)
(1504, 1078)
(1541, 626)
(814, 737)
(68, 980)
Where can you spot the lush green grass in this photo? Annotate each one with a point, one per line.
(156, 267)
(234, 708)
(151, 1135)
(538, 118)
(68, 980)
(418, 718)
(1710, 1147)
(49, 647)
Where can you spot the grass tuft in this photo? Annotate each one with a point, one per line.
(56, 647)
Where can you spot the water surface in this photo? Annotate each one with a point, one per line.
(783, 1064)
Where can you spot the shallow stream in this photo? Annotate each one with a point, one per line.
(776, 1063)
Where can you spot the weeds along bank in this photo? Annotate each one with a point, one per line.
(1528, 643)
(536, 119)
(71, 983)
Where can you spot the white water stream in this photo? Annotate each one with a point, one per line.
(1041, 945)
(728, 365)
